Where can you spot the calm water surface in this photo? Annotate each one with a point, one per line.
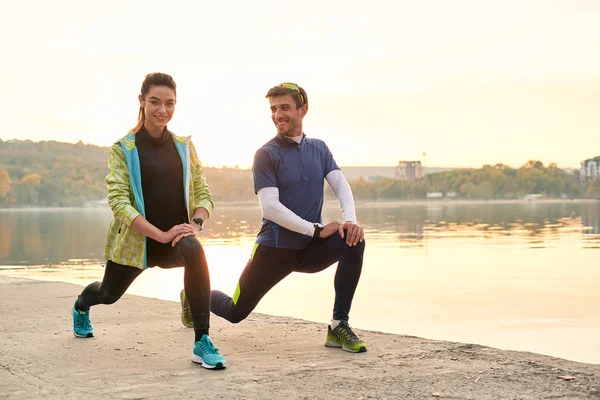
(512, 275)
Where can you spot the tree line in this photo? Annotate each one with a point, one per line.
(489, 182)
(56, 174)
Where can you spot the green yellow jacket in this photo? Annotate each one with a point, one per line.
(126, 199)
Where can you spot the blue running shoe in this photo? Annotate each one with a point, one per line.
(206, 354)
(81, 323)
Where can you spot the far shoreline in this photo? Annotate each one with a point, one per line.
(359, 203)
(466, 201)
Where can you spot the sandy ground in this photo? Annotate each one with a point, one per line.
(141, 351)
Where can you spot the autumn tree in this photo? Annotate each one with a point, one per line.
(5, 183)
(31, 183)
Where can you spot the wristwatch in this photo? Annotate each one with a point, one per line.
(199, 221)
(318, 229)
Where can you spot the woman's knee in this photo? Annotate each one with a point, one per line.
(191, 252)
(190, 245)
(110, 297)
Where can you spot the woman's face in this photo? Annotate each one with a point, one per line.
(158, 105)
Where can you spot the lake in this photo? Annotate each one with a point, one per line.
(513, 275)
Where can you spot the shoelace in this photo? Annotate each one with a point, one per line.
(187, 314)
(347, 333)
(208, 347)
(83, 321)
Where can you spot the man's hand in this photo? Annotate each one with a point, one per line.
(176, 233)
(329, 229)
(354, 233)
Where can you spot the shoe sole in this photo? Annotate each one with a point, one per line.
(182, 300)
(332, 343)
(338, 345)
(198, 360)
(81, 336)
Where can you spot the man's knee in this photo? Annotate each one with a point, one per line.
(223, 306)
(237, 317)
(358, 248)
(238, 314)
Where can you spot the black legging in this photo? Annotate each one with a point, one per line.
(188, 252)
(270, 265)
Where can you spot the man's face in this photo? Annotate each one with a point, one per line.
(286, 117)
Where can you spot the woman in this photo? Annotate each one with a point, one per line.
(160, 199)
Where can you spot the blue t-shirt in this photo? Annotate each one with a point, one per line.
(298, 170)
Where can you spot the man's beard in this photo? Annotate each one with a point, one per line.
(291, 131)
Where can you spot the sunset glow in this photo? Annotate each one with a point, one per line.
(468, 82)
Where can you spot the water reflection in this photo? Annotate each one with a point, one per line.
(76, 236)
(535, 224)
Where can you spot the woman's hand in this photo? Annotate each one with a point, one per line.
(176, 233)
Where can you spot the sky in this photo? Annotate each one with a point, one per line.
(465, 82)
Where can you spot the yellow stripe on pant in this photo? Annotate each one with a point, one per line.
(236, 294)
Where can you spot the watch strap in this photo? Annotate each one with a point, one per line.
(318, 229)
(199, 221)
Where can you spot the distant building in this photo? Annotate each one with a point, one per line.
(372, 174)
(590, 169)
(533, 196)
(408, 171)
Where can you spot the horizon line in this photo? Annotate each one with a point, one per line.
(346, 166)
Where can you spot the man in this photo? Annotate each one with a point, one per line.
(289, 173)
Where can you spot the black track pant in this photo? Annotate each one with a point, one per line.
(187, 252)
(270, 265)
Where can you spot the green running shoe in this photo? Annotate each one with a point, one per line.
(342, 336)
(82, 326)
(186, 311)
(206, 354)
